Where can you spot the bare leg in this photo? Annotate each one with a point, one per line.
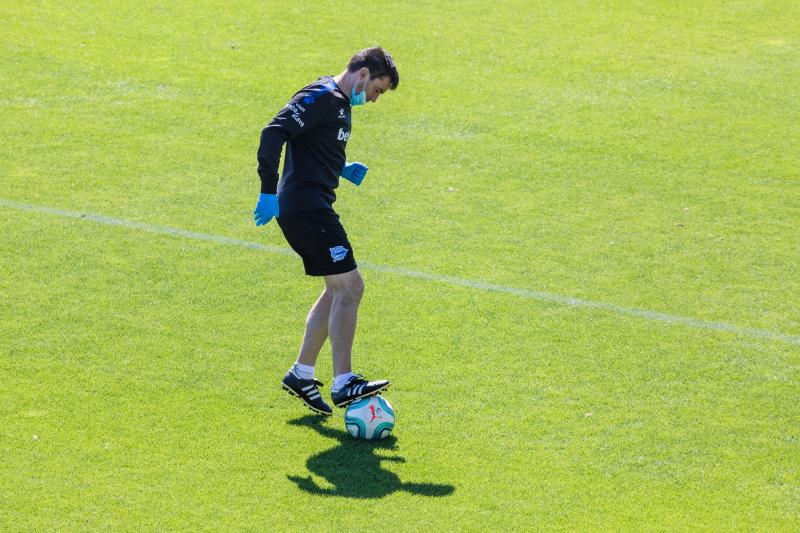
(316, 329)
(347, 290)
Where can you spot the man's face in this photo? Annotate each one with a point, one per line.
(375, 87)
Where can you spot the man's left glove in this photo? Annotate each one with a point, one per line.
(266, 208)
(354, 172)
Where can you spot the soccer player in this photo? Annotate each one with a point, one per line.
(315, 126)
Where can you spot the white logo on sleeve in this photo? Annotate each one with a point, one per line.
(344, 135)
(338, 253)
(296, 109)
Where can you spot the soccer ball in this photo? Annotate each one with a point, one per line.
(369, 418)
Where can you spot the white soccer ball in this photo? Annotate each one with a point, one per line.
(369, 418)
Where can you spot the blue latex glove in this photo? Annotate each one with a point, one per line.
(266, 208)
(354, 172)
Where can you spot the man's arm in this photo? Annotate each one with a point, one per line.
(301, 114)
(296, 117)
(273, 137)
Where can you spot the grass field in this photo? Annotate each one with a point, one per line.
(580, 237)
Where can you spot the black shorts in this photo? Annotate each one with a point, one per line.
(320, 240)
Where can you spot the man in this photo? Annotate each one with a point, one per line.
(315, 126)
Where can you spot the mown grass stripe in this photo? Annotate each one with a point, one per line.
(654, 316)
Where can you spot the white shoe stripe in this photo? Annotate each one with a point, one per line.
(308, 388)
(313, 396)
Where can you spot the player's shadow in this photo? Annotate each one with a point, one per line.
(352, 468)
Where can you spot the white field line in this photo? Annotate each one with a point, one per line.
(654, 316)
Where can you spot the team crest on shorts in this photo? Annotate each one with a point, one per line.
(338, 253)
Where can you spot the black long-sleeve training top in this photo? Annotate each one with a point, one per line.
(315, 126)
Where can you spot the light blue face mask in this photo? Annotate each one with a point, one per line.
(359, 98)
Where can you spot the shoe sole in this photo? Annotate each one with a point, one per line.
(314, 409)
(376, 392)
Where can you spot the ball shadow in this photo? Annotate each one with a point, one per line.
(352, 467)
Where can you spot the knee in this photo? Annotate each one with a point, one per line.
(350, 292)
(357, 289)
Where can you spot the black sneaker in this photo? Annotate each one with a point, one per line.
(306, 390)
(357, 387)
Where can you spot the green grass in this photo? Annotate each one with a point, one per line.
(643, 154)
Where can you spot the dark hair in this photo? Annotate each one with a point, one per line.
(379, 63)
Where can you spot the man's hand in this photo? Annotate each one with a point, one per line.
(266, 208)
(354, 172)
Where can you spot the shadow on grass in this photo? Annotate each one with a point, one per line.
(353, 467)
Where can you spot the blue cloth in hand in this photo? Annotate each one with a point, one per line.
(266, 208)
(354, 172)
